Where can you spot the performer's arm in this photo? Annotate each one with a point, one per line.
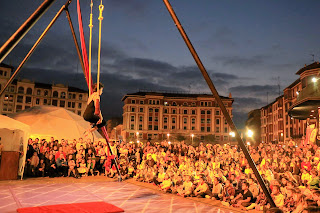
(97, 106)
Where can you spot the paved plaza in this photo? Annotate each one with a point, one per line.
(127, 195)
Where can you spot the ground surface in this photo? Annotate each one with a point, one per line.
(130, 195)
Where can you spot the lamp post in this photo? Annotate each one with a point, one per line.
(137, 134)
(168, 136)
(192, 135)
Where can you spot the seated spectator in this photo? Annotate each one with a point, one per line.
(166, 184)
(216, 188)
(83, 169)
(187, 188)
(202, 190)
(72, 170)
(62, 165)
(243, 199)
(278, 198)
(51, 167)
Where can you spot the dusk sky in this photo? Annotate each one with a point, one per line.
(246, 46)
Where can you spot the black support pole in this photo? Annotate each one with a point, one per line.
(24, 29)
(35, 46)
(75, 41)
(219, 101)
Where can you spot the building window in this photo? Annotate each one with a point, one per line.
(165, 111)
(202, 120)
(173, 120)
(225, 138)
(29, 91)
(38, 92)
(208, 112)
(217, 112)
(46, 93)
(217, 129)
(69, 95)
(165, 120)
(225, 121)
(156, 110)
(37, 101)
(173, 127)
(193, 120)
(74, 96)
(150, 110)
(12, 88)
(174, 103)
(55, 102)
(155, 127)
(80, 97)
(133, 101)
(140, 126)
(21, 90)
(79, 105)
(208, 120)
(217, 138)
(185, 104)
(73, 105)
(185, 120)
(226, 130)
(193, 128)
(62, 103)
(28, 100)
(141, 102)
(63, 95)
(132, 118)
(174, 111)
(202, 129)
(150, 118)
(132, 127)
(20, 99)
(185, 111)
(79, 112)
(193, 112)
(141, 109)
(69, 104)
(193, 104)
(140, 118)
(45, 101)
(150, 127)
(203, 112)
(165, 127)
(208, 129)
(156, 119)
(18, 108)
(133, 109)
(217, 121)
(184, 128)
(55, 94)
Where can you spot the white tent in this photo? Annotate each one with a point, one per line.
(50, 121)
(14, 137)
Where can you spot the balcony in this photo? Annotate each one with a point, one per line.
(308, 100)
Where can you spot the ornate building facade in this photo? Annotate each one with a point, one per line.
(289, 115)
(158, 116)
(23, 94)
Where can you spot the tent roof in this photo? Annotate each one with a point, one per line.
(57, 122)
(9, 123)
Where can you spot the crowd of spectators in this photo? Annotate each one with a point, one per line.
(218, 172)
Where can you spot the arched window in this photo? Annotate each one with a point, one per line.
(63, 95)
(185, 104)
(174, 103)
(55, 94)
(80, 97)
(46, 93)
(21, 90)
(38, 92)
(29, 91)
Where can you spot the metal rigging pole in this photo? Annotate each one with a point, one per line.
(219, 101)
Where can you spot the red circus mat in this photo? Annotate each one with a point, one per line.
(91, 207)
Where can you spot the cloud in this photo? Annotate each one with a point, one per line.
(242, 62)
(254, 90)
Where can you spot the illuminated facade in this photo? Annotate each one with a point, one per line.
(287, 117)
(23, 94)
(161, 116)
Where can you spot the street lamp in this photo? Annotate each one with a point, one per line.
(232, 134)
(192, 135)
(137, 133)
(314, 79)
(168, 135)
(250, 133)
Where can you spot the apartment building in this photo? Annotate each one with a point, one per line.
(288, 116)
(23, 94)
(158, 116)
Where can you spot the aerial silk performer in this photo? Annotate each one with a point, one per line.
(92, 113)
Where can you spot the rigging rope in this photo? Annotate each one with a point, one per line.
(101, 7)
(90, 47)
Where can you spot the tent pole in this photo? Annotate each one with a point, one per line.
(35, 46)
(219, 101)
(75, 41)
(24, 29)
